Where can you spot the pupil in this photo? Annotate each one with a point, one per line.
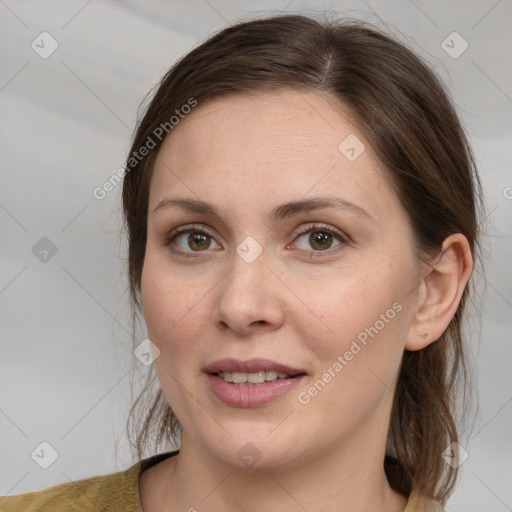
(320, 238)
(197, 241)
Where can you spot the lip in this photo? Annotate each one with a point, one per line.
(250, 366)
(240, 395)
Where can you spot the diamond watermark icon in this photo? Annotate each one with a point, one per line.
(44, 250)
(454, 45)
(249, 249)
(351, 147)
(249, 455)
(44, 455)
(455, 455)
(44, 45)
(146, 352)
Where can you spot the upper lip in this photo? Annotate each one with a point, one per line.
(250, 366)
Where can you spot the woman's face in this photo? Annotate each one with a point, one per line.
(279, 282)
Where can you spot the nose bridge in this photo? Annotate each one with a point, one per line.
(247, 274)
(247, 296)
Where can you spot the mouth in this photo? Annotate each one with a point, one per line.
(251, 383)
(254, 378)
(253, 371)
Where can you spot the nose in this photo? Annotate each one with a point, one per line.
(248, 299)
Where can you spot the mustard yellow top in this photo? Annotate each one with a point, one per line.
(116, 492)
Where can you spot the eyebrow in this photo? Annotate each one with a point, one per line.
(280, 212)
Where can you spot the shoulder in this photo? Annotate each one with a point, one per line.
(116, 491)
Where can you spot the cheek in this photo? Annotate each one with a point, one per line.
(357, 333)
(344, 306)
(174, 307)
(162, 302)
(157, 303)
(355, 367)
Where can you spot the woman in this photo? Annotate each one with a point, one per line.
(300, 201)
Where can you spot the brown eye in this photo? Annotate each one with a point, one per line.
(321, 240)
(198, 241)
(188, 241)
(317, 239)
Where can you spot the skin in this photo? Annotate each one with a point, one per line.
(296, 304)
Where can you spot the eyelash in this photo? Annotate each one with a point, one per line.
(342, 238)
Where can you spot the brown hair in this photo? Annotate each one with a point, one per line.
(410, 122)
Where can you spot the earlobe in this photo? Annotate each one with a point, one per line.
(440, 291)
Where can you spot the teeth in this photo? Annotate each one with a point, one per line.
(252, 378)
(256, 378)
(272, 375)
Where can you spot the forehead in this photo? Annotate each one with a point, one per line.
(280, 144)
(279, 124)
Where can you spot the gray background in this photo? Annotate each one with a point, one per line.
(66, 360)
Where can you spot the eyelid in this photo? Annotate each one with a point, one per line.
(322, 226)
(199, 226)
(342, 238)
(189, 228)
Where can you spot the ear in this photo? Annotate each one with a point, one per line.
(440, 291)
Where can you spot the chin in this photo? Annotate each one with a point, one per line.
(255, 452)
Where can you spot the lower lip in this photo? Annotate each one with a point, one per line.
(241, 395)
